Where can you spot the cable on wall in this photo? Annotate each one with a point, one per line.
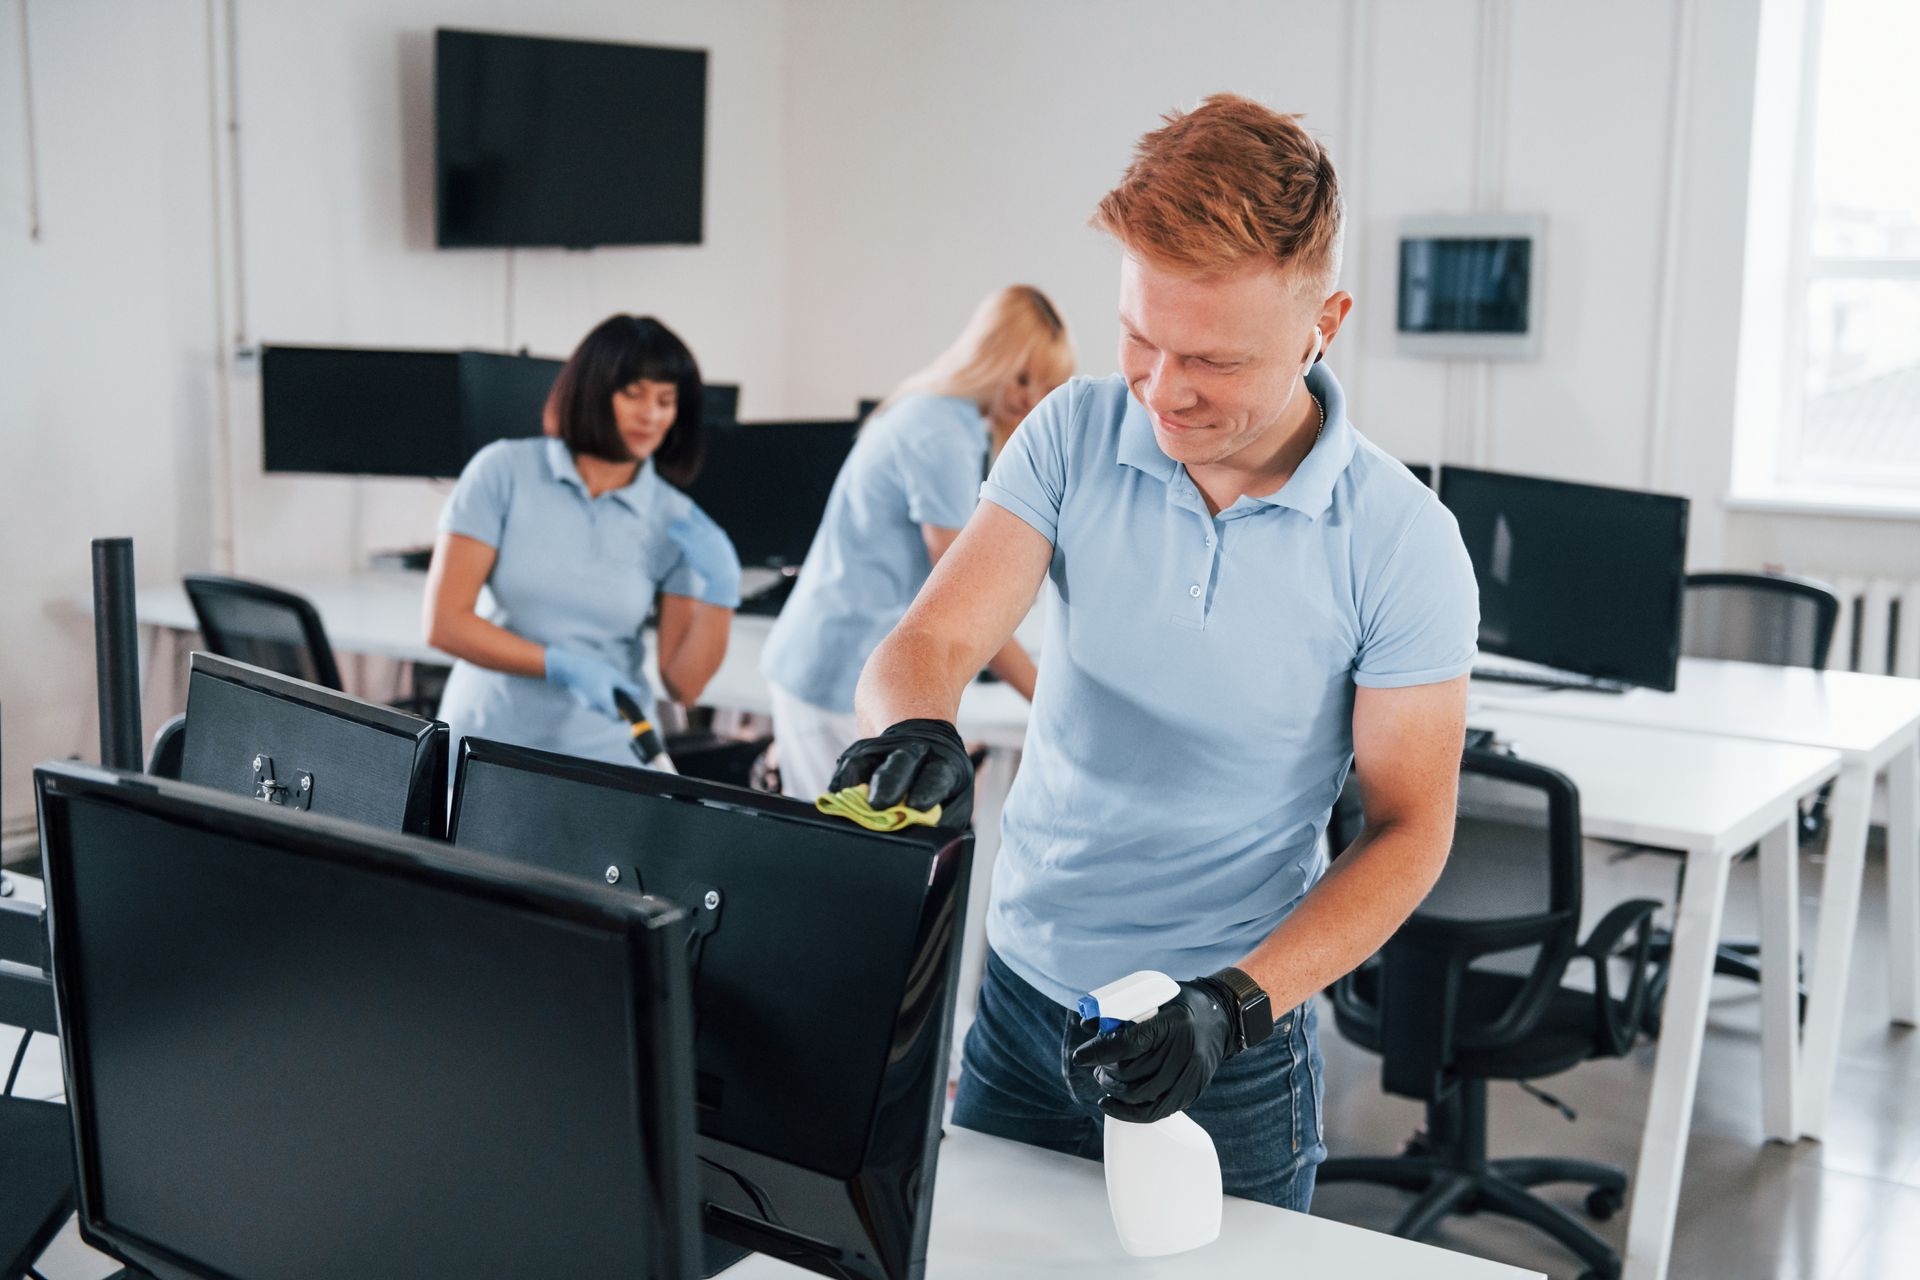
(507, 318)
(33, 151)
(233, 179)
(1659, 417)
(222, 442)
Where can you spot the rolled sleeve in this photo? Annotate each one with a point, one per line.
(1422, 613)
(477, 508)
(1030, 477)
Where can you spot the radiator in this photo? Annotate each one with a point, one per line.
(1879, 627)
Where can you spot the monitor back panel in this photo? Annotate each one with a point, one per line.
(359, 771)
(299, 1069)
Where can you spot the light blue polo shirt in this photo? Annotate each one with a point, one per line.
(570, 570)
(1193, 720)
(919, 461)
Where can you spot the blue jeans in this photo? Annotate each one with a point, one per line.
(1262, 1108)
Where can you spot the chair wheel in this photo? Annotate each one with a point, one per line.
(1603, 1203)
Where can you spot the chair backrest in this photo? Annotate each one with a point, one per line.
(263, 626)
(168, 757)
(1508, 901)
(1759, 617)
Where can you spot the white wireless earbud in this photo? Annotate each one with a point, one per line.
(1319, 345)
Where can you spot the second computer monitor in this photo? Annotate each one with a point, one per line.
(257, 733)
(823, 985)
(1577, 577)
(300, 1049)
(767, 484)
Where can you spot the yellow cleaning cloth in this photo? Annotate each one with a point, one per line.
(852, 805)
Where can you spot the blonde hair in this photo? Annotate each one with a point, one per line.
(1014, 330)
(1225, 183)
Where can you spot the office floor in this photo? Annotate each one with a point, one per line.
(1845, 1209)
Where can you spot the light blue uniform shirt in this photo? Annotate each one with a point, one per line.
(569, 570)
(1193, 720)
(919, 461)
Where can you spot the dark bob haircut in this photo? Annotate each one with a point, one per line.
(620, 351)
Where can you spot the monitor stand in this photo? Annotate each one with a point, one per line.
(1546, 678)
(412, 559)
(767, 600)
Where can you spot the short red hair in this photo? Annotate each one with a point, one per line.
(1229, 182)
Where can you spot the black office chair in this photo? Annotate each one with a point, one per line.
(1750, 617)
(281, 631)
(265, 626)
(1470, 990)
(167, 759)
(36, 1138)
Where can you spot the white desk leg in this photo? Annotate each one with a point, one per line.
(1676, 1067)
(1833, 945)
(1779, 979)
(989, 797)
(1903, 883)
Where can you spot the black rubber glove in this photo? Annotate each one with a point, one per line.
(1149, 1070)
(922, 762)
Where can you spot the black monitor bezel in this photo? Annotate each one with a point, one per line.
(426, 784)
(652, 929)
(1664, 680)
(943, 911)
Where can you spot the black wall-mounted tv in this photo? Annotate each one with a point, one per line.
(567, 143)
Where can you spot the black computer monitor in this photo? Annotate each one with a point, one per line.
(1578, 577)
(253, 732)
(823, 987)
(353, 411)
(767, 484)
(301, 1048)
(719, 402)
(1423, 472)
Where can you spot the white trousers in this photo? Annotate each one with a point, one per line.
(809, 740)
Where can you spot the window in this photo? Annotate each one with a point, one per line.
(1851, 411)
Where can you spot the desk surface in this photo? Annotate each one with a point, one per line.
(1666, 787)
(1849, 712)
(1003, 1210)
(377, 612)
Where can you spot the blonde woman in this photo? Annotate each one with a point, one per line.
(900, 501)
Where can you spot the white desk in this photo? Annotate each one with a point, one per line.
(1002, 1210)
(1711, 798)
(1874, 723)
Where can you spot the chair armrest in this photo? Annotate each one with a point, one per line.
(23, 934)
(1620, 1028)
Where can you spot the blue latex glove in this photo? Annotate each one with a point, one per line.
(709, 553)
(592, 680)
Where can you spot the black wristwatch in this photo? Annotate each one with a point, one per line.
(1253, 1012)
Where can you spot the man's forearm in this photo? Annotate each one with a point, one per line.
(1366, 895)
(913, 675)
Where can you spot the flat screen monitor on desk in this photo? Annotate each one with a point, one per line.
(823, 984)
(349, 411)
(767, 483)
(252, 732)
(1575, 577)
(304, 1048)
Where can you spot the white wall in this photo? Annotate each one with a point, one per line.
(939, 151)
(106, 334)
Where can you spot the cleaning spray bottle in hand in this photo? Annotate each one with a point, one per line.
(1163, 1179)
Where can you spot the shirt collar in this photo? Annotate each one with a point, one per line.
(632, 495)
(1309, 490)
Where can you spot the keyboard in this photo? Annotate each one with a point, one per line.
(1545, 679)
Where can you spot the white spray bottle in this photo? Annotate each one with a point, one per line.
(1163, 1179)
